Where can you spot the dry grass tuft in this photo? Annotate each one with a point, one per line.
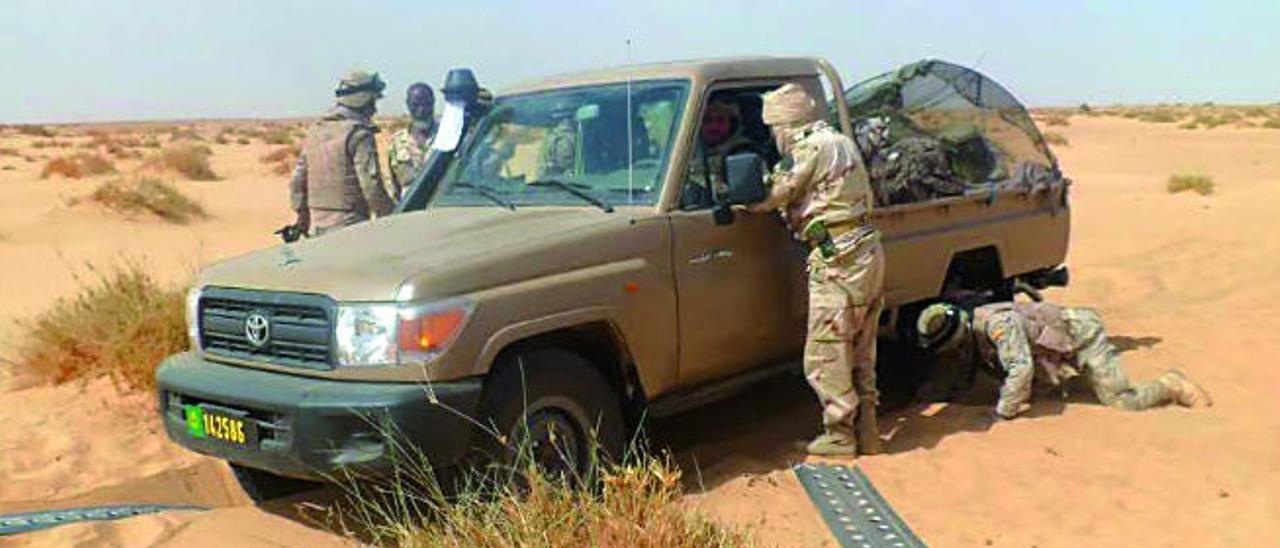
(77, 166)
(34, 131)
(147, 195)
(1055, 138)
(281, 160)
(278, 136)
(1201, 184)
(635, 504)
(120, 325)
(1056, 119)
(191, 161)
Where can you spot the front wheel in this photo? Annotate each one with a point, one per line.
(551, 408)
(262, 486)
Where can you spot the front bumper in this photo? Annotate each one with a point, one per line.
(308, 427)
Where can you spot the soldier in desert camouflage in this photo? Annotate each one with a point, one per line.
(821, 187)
(337, 181)
(1025, 342)
(409, 146)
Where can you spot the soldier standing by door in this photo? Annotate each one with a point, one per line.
(821, 187)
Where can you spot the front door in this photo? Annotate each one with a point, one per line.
(740, 291)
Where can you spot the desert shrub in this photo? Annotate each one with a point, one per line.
(1161, 116)
(34, 131)
(77, 166)
(242, 140)
(277, 136)
(1201, 184)
(191, 161)
(281, 160)
(1272, 123)
(149, 142)
(185, 134)
(221, 139)
(120, 325)
(1056, 120)
(5, 151)
(66, 167)
(636, 503)
(147, 195)
(1055, 138)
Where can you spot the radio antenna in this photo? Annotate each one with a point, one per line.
(631, 142)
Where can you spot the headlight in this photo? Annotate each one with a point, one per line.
(366, 335)
(193, 317)
(370, 335)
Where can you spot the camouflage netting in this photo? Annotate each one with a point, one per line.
(932, 129)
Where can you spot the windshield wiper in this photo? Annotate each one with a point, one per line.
(576, 189)
(487, 193)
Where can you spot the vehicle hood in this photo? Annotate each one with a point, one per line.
(370, 261)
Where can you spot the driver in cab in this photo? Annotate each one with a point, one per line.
(720, 136)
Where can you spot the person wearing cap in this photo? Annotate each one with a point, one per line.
(337, 181)
(820, 187)
(1039, 341)
(409, 146)
(720, 137)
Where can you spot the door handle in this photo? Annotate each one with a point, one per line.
(711, 255)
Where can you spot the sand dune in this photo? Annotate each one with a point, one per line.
(1183, 281)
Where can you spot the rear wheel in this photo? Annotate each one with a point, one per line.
(551, 408)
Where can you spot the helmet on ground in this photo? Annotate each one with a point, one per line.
(942, 326)
(359, 88)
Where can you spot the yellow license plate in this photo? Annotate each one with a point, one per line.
(203, 423)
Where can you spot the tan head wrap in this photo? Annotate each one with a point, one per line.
(789, 105)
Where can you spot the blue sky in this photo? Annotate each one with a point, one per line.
(79, 60)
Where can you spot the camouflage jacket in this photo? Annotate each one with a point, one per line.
(405, 156)
(822, 179)
(337, 180)
(1024, 341)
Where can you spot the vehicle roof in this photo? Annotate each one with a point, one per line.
(698, 70)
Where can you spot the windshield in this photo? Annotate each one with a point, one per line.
(570, 147)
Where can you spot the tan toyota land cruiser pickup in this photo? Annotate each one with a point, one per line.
(561, 258)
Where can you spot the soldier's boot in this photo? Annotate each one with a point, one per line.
(1186, 392)
(833, 443)
(868, 429)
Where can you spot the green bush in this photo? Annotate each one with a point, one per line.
(1201, 184)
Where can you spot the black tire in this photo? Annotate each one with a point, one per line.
(553, 406)
(263, 486)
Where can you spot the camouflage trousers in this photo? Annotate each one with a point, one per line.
(1100, 363)
(845, 300)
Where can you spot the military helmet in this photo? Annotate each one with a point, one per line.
(359, 88)
(942, 326)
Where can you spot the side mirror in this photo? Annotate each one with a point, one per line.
(745, 175)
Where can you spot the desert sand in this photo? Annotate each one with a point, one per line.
(1183, 281)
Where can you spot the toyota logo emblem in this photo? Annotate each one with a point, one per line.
(257, 329)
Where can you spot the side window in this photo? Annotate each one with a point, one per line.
(730, 124)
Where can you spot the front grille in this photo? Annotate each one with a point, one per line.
(300, 326)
